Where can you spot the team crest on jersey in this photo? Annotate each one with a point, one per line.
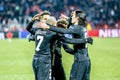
(42, 32)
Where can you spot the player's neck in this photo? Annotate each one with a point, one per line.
(76, 23)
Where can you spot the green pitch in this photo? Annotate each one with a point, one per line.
(16, 59)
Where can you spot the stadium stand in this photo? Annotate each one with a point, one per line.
(15, 14)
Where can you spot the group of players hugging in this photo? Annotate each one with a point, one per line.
(50, 35)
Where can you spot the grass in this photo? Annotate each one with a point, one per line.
(16, 59)
(105, 58)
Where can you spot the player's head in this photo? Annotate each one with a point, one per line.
(79, 17)
(44, 15)
(51, 21)
(63, 23)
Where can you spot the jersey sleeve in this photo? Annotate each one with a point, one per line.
(73, 40)
(69, 21)
(68, 49)
(29, 27)
(63, 31)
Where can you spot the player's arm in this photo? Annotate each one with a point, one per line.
(67, 48)
(29, 27)
(62, 30)
(75, 30)
(73, 40)
(77, 41)
(69, 19)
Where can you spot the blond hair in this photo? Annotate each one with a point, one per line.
(51, 20)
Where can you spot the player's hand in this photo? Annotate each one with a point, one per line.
(62, 38)
(31, 38)
(42, 25)
(62, 16)
(36, 17)
(90, 40)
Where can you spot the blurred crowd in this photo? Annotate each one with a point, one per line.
(15, 14)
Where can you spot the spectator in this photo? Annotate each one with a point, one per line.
(99, 12)
(9, 36)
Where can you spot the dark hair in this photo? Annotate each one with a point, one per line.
(62, 23)
(82, 17)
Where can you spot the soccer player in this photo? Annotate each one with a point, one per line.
(43, 16)
(42, 56)
(58, 70)
(81, 66)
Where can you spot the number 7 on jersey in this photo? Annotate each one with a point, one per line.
(40, 39)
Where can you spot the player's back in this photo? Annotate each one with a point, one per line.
(43, 40)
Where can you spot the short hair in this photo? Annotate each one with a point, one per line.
(45, 13)
(62, 23)
(51, 20)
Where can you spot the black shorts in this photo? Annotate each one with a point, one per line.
(42, 68)
(58, 70)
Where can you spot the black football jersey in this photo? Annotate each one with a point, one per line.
(43, 39)
(78, 32)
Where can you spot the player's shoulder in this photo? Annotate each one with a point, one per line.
(51, 32)
(77, 27)
(81, 27)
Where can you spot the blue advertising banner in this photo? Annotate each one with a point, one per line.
(23, 34)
